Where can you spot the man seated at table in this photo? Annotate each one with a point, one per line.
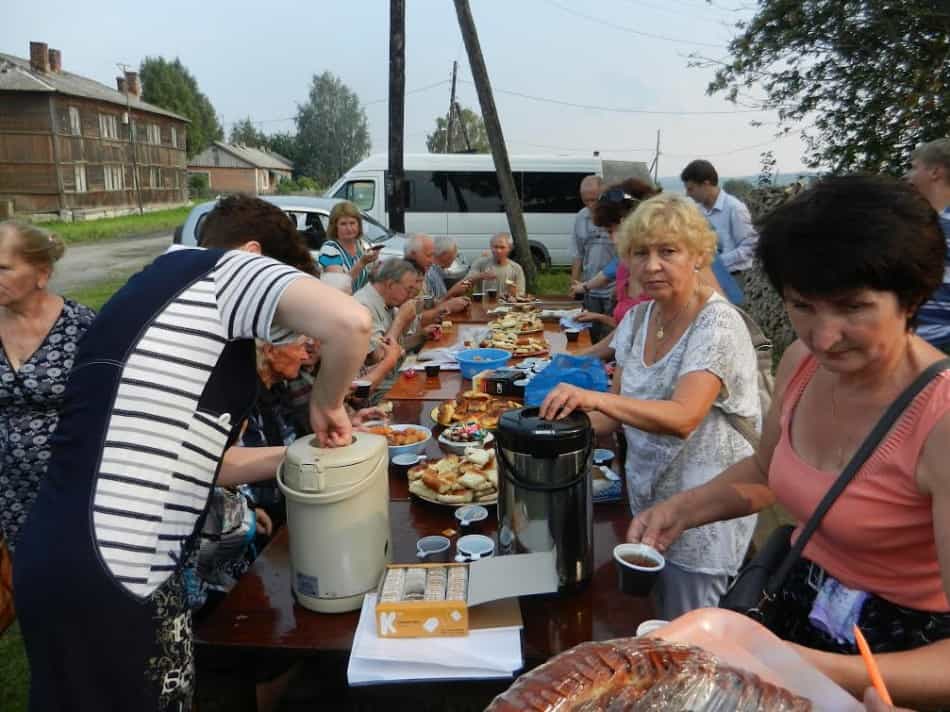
(498, 267)
(446, 250)
(390, 297)
(420, 251)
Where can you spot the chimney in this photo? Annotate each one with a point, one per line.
(120, 84)
(132, 82)
(39, 57)
(55, 60)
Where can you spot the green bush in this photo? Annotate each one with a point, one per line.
(287, 185)
(308, 184)
(198, 186)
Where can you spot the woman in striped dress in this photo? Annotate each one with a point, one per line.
(344, 250)
(161, 384)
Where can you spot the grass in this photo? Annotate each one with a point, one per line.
(14, 671)
(553, 281)
(95, 295)
(125, 226)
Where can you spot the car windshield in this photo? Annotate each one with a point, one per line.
(374, 231)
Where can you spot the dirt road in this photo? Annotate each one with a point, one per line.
(85, 265)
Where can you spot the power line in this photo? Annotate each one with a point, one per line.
(630, 30)
(771, 142)
(617, 110)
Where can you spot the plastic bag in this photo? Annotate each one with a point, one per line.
(582, 371)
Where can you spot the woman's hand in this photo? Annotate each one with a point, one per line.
(588, 316)
(369, 257)
(577, 289)
(659, 526)
(264, 524)
(565, 399)
(331, 426)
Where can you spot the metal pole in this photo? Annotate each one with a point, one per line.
(135, 168)
(397, 113)
(656, 159)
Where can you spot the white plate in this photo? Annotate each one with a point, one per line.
(458, 446)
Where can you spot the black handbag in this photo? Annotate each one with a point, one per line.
(759, 582)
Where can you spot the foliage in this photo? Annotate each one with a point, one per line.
(332, 130)
(245, 133)
(465, 123)
(309, 184)
(553, 281)
(869, 79)
(737, 187)
(171, 86)
(95, 295)
(767, 172)
(285, 144)
(199, 188)
(303, 184)
(124, 226)
(14, 671)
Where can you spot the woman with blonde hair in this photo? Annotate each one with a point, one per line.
(686, 374)
(38, 335)
(344, 251)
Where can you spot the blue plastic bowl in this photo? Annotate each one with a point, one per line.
(472, 361)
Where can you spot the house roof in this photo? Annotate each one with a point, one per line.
(17, 75)
(252, 156)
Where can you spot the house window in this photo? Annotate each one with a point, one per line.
(108, 126)
(153, 134)
(115, 177)
(154, 177)
(174, 137)
(79, 174)
(75, 125)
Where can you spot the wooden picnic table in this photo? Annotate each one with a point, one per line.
(260, 621)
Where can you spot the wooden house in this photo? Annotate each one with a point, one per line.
(233, 168)
(72, 148)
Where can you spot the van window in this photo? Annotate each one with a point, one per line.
(551, 192)
(361, 193)
(426, 191)
(477, 192)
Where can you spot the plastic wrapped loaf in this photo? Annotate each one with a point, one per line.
(641, 674)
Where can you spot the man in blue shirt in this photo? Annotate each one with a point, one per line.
(930, 174)
(727, 215)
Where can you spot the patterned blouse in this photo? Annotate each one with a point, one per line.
(30, 399)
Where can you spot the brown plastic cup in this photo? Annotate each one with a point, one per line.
(362, 388)
(432, 370)
(638, 567)
(572, 335)
(477, 296)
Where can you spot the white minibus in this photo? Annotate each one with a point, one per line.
(457, 194)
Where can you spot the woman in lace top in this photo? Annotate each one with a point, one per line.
(686, 373)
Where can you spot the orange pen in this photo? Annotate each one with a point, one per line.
(873, 672)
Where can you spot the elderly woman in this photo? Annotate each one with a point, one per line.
(853, 258)
(344, 250)
(686, 373)
(39, 331)
(161, 384)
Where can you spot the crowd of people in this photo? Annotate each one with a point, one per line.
(135, 441)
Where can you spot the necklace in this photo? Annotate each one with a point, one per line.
(661, 329)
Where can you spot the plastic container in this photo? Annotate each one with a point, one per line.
(473, 361)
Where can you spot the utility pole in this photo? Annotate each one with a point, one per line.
(496, 140)
(656, 160)
(395, 189)
(124, 68)
(448, 127)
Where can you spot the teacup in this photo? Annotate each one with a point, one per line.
(638, 567)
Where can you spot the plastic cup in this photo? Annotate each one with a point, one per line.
(362, 388)
(477, 296)
(572, 335)
(491, 293)
(638, 567)
(432, 370)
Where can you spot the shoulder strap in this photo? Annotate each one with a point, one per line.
(871, 442)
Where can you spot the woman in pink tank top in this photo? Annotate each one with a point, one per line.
(854, 258)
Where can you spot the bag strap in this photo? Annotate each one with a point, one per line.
(893, 412)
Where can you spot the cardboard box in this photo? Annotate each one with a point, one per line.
(487, 580)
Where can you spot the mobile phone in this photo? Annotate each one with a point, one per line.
(374, 248)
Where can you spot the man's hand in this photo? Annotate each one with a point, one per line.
(265, 525)
(391, 350)
(331, 426)
(577, 289)
(455, 304)
(459, 288)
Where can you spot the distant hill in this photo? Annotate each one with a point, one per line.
(674, 185)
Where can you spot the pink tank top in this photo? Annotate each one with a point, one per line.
(624, 301)
(878, 536)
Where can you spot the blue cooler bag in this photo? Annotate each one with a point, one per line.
(581, 371)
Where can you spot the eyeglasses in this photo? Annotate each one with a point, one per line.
(615, 195)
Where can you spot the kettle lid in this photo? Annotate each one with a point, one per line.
(525, 431)
(306, 449)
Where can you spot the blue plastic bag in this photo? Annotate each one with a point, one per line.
(582, 371)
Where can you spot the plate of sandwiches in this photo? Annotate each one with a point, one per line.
(473, 406)
(527, 323)
(518, 299)
(471, 478)
(518, 346)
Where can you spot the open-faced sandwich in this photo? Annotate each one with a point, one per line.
(472, 477)
(473, 406)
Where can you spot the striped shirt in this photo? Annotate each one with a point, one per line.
(162, 447)
(933, 321)
(333, 254)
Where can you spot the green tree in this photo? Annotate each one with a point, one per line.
(245, 133)
(868, 79)
(737, 187)
(465, 123)
(332, 130)
(285, 144)
(171, 86)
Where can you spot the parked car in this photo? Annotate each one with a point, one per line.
(311, 216)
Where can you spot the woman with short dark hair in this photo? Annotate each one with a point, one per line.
(853, 258)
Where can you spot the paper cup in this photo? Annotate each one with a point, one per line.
(572, 335)
(638, 567)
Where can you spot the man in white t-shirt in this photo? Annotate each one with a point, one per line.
(498, 267)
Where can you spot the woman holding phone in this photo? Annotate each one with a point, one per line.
(345, 251)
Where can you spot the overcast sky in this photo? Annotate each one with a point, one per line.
(257, 58)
